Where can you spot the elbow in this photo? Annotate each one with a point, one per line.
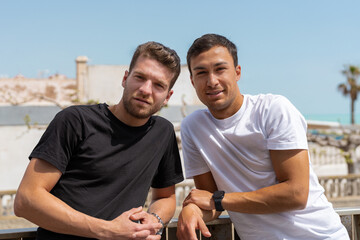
(301, 204)
(20, 204)
(301, 198)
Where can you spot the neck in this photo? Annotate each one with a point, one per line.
(120, 112)
(231, 110)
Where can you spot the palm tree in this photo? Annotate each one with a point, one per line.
(351, 87)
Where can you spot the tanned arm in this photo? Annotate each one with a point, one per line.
(292, 171)
(35, 202)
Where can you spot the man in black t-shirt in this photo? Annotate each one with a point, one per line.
(91, 171)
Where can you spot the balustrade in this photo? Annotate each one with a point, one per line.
(341, 186)
(221, 228)
(7, 202)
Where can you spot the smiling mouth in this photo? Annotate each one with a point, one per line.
(213, 93)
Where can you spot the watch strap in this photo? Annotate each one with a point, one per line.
(218, 196)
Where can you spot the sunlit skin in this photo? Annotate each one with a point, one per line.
(146, 91)
(214, 78)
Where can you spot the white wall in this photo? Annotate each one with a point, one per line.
(103, 83)
(16, 143)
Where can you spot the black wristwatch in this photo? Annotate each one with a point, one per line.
(218, 196)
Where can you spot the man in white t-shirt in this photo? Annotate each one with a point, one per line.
(248, 155)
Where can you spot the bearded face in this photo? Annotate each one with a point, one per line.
(146, 88)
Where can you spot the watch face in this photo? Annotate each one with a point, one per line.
(219, 194)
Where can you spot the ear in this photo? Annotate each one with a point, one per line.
(168, 97)
(125, 77)
(238, 72)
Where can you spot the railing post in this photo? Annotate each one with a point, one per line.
(356, 227)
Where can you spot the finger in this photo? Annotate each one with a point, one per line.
(204, 230)
(148, 226)
(153, 237)
(133, 211)
(186, 235)
(145, 234)
(141, 234)
(139, 215)
(186, 232)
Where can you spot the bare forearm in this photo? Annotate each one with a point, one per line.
(51, 213)
(164, 207)
(277, 198)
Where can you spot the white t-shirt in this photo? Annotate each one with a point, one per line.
(236, 151)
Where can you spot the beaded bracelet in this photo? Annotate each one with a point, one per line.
(160, 221)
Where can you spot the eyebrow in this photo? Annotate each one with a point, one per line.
(139, 72)
(202, 68)
(162, 81)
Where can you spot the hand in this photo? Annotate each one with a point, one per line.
(123, 227)
(189, 220)
(145, 218)
(201, 198)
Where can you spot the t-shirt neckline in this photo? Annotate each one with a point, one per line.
(232, 120)
(112, 117)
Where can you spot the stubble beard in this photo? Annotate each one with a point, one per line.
(137, 112)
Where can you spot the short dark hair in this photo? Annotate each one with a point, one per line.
(207, 41)
(162, 54)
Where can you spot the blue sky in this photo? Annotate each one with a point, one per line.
(293, 48)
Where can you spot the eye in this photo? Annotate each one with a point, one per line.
(220, 69)
(159, 85)
(200, 73)
(139, 77)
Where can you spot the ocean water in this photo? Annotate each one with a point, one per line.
(342, 118)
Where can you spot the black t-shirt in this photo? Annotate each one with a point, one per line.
(107, 166)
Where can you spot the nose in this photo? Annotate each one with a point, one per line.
(146, 87)
(212, 80)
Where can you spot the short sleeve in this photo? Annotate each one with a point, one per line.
(285, 126)
(193, 160)
(60, 139)
(169, 171)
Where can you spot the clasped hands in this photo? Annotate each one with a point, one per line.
(134, 224)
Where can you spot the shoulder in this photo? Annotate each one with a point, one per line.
(195, 118)
(83, 109)
(265, 99)
(197, 123)
(279, 104)
(67, 113)
(160, 122)
(78, 113)
(277, 110)
(265, 103)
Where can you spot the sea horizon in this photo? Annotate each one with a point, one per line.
(342, 118)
